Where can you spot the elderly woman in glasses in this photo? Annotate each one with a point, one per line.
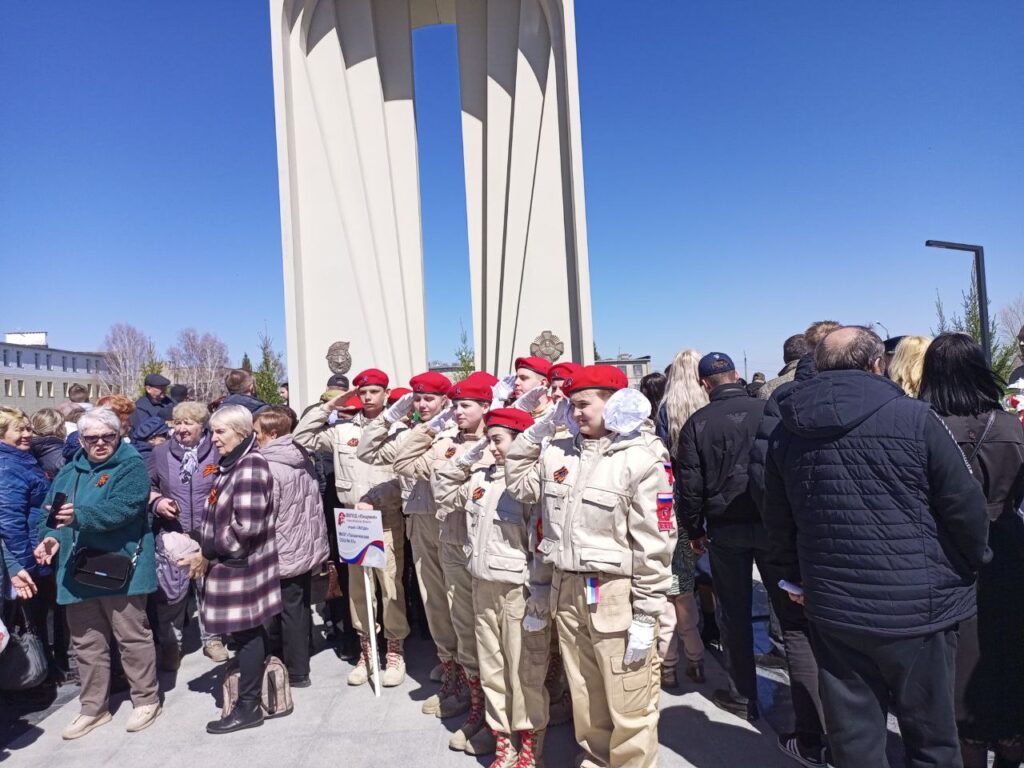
(106, 488)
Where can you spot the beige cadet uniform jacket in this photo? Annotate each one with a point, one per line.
(606, 506)
(355, 480)
(501, 533)
(418, 455)
(379, 446)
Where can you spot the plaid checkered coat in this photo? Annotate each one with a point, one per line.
(242, 587)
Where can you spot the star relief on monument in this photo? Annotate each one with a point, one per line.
(548, 346)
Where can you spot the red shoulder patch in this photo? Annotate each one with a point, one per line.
(353, 442)
(665, 522)
(450, 452)
(479, 493)
(561, 474)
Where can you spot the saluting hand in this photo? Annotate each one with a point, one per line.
(442, 420)
(529, 401)
(473, 454)
(502, 391)
(401, 408)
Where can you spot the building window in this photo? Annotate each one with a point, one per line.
(17, 358)
(90, 391)
(49, 362)
(638, 370)
(21, 388)
(6, 357)
(35, 360)
(39, 389)
(88, 365)
(63, 363)
(8, 388)
(49, 389)
(65, 390)
(74, 364)
(623, 369)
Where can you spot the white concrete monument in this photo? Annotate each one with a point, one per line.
(349, 179)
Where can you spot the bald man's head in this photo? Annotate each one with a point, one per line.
(850, 348)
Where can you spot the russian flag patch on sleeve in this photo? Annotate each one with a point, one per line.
(665, 519)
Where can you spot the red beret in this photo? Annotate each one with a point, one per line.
(564, 370)
(353, 403)
(430, 383)
(471, 389)
(371, 377)
(595, 377)
(487, 378)
(397, 393)
(535, 364)
(511, 418)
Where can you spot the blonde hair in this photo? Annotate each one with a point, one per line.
(683, 393)
(908, 363)
(48, 422)
(9, 417)
(191, 411)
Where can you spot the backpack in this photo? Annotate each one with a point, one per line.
(277, 691)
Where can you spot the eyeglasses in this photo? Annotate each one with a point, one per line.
(110, 438)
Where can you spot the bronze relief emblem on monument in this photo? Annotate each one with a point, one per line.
(338, 358)
(548, 346)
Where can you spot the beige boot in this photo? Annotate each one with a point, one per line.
(475, 722)
(83, 724)
(361, 672)
(531, 749)
(394, 665)
(505, 752)
(143, 717)
(457, 703)
(449, 680)
(215, 651)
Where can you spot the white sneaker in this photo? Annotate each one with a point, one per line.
(143, 717)
(82, 724)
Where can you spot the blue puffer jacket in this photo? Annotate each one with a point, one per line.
(23, 486)
(870, 489)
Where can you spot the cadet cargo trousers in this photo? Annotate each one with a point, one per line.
(513, 662)
(396, 626)
(615, 709)
(424, 532)
(459, 588)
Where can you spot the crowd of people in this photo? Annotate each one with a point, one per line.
(572, 542)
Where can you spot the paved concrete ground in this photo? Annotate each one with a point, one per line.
(337, 725)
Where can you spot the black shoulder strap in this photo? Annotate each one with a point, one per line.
(984, 434)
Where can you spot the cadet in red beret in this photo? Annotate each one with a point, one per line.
(430, 383)
(489, 378)
(501, 531)
(372, 388)
(606, 377)
(371, 376)
(396, 394)
(531, 372)
(557, 376)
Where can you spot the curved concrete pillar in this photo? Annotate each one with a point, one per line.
(348, 167)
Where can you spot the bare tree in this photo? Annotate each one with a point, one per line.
(198, 361)
(1011, 317)
(126, 351)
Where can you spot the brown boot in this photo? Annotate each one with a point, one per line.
(475, 721)
(361, 671)
(531, 749)
(449, 682)
(505, 753)
(458, 701)
(394, 665)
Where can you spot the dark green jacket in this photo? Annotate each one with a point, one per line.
(110, 514)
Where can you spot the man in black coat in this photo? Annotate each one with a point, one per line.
(155, 402)
(885, 528)
(714, 494)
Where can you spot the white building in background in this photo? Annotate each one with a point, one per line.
(35, 375)
(635, 368)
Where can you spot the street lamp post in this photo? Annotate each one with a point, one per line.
(979, 278)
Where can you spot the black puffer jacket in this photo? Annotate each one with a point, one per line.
(872, 491)
(711, 460)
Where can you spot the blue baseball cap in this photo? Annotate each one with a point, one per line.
(715, 362)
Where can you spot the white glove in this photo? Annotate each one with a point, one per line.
(442, 420)
(626, 411)
(502, 391)
(546, 425)
(639, 642)
(529, 401)
(568, 420)
(401, 408)
(471, 456)
(533, 623)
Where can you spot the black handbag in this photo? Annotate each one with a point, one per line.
(99, 569)
(23, 663)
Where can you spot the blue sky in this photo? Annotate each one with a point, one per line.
(763, 164)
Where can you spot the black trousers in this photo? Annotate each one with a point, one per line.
(734, 549)
(289, 632)
(862, 674)
(251, 655)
